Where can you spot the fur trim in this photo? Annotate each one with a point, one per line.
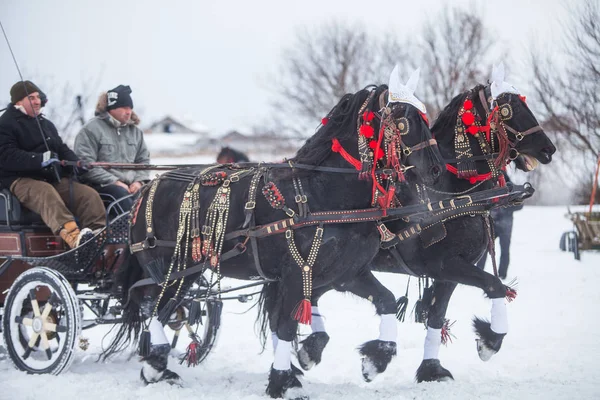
(102, 105)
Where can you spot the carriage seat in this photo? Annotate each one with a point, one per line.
(13, 213)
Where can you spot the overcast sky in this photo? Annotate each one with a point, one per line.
(211, 60)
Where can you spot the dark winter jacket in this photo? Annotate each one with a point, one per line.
(22, 147)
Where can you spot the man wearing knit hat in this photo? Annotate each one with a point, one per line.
(30, 149)
(113, 136)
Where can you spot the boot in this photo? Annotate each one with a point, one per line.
(70, 234)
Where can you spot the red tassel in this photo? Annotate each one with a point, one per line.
(367, 131)
(446, 335)
(372, 144)
(468, 118)
(303, 312)
(191, 354)
(468, 104)
(324, 121)
(511, 294)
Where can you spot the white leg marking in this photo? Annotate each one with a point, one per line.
(388, 328)
(318, 322)
(157, 332)
(432, 343)
(283, 355)
(499, 316)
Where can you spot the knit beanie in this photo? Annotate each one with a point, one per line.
(18, 93)
(119, 97)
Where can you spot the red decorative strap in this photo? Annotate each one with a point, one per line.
(337, 147)
(474, 179)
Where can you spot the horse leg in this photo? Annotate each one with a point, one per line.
(154, 367)
(491, 334)
(430, 368)
(283, 382)
(312, 348)
(376, 354)
(504, 232)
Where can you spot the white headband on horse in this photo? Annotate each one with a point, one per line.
(498, 85)
(404, 93)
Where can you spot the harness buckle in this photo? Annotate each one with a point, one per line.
(466, 196)
(407, 151)
(298, 198)
(304, 199)
(290, 212)
(250, 205)
(150, 243)
(519, 136)
(234, 178)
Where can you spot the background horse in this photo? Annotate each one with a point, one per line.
(227, 155)
(447, 250)
(302, 259)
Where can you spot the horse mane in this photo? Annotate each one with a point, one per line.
(447, 117)
(341, 124)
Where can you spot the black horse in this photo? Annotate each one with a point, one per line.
(353, 162)
(227, 155)
(446, 247)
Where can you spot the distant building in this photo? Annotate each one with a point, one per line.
(169, 124)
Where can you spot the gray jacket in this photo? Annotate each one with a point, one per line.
(104, 139)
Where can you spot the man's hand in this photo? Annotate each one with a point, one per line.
(121, 184)
(134, 187)
(48, 158)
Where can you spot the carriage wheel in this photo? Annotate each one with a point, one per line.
(205, 332)
(41, 322)
(575, 245)
(562, 244)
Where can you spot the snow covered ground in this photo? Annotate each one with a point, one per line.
(551, 351)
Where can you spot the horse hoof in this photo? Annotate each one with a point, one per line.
(153, 376)
(297, 371)
(432, 371)
(489, 342)
(312, 350)
(377, 354)
(285, 384)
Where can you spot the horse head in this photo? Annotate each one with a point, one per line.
(382, 131)
(227, 155)
(485, 128)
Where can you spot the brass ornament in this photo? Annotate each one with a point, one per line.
(403, 126)
(506, 112)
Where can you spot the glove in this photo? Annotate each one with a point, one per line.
(49, 158)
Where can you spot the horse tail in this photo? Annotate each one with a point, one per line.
(268, 310)
(132, 319)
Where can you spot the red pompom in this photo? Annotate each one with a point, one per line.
(468, 104)
(373, 144)
(324, 121)
(472, 180)
(523, 98)
(468, 118)
(368, 116)
(472, 130)
(378, 153)
(367, 131)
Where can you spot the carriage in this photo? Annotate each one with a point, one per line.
(47, 289)
(586, 233)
